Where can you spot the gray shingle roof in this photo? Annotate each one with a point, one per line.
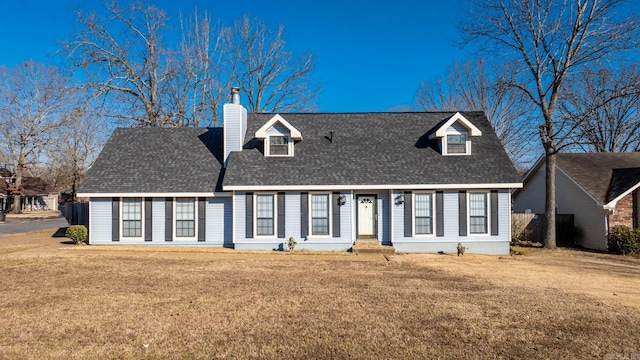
(154, 160)
(604, 175)
(370, 149)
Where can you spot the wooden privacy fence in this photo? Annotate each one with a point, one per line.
(530, 227)
(76, 213)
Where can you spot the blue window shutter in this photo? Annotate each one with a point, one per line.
(168, 219)
(281, 215)
(335, 201)
(408, 214)
(202, 218)
(115, 219)
(248, 215)
(494, 212)
(148, 218)
(304, 215)
(462, 211)
(439, 214)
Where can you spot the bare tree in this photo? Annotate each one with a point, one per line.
(472, 86)
(551, 39)
(271, 77)
(605, 109)
(124, 59)
(78, 141)
(32, 99)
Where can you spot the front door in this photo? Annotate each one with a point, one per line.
(366, 216)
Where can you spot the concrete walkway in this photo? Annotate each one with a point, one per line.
(22, 226)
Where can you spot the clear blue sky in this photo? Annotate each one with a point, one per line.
(369, 55)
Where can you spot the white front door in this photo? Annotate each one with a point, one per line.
(366, 216)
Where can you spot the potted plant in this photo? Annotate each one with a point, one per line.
(461, 249)
(291, 243)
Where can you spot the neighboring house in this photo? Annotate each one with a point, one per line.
(600, 189)
(420, 182)
(37, 194)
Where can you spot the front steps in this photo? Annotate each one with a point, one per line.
(371, 247)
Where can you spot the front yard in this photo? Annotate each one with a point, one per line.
(61, 301)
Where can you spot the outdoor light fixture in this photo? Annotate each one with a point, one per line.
(342, 199)
(400, 199)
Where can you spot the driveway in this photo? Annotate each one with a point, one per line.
(16, 227)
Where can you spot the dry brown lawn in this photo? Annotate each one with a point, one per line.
(66, 302)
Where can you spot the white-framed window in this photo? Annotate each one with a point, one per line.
(320, 210)
(185, 218)
(456, 141)
(478, 213)
(423, 218)
(457, 144)
(131, 213)
(279, 145)
(265, 215)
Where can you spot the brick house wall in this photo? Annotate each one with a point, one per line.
(624, 213)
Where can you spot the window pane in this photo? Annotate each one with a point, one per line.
(185, 228)
(264, 205)
(265, 227)
(320, 214)
(132, 209)
(477, 213)
(278, 145)
(132, 217)
(423, 205)
(423, 225)
(264, 215)
(457, 144)
(478, 204)
(185, 209)
(478, 225)
(320, 226)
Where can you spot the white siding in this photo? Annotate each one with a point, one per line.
(292, 215)
(100, 221)
(278, 129)
(346, 221)
(218, 221)
(457, 128)
(157, 225)
(239, 216)
(451, 217)
(235, 128)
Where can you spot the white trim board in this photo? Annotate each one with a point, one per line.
(373, 187)
(157, 195)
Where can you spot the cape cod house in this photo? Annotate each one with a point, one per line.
(420, 182)
(599, 189)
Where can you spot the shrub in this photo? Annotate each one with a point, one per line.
(624, 240)
(77, 233)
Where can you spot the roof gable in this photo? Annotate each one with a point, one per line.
(261, 133)
(441, 129)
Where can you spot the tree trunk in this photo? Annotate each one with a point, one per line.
(550, 200)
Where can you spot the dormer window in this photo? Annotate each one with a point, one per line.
(457, 144)
(278, 137)
(454, 135)
(278, 145)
